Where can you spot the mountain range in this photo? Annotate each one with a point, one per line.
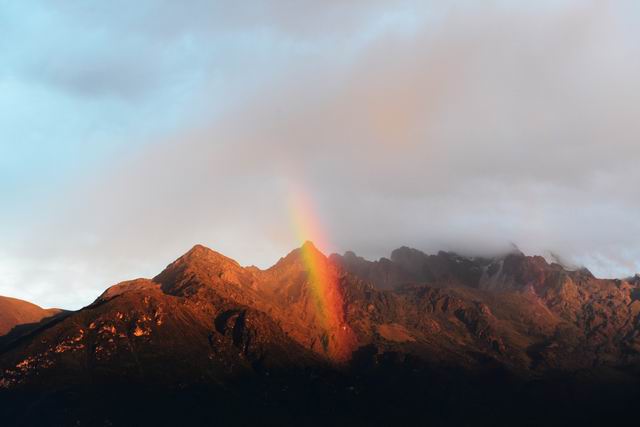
(411, 339)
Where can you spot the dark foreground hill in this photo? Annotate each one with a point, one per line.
(313, 340)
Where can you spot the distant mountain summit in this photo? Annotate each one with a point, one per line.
(337, 327)
(15, 312)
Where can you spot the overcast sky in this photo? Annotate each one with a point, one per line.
(130, 131)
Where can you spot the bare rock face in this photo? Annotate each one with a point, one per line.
(521, 311)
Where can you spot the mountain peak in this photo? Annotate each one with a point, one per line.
(201, 253)
(298, 255)
(308, 245)
(309, 248)
(198, 248)
(201, 262)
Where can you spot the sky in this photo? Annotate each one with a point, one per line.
(130, 131)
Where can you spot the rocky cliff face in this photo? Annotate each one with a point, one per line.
(207, 320)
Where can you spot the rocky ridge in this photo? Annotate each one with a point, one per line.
(213, 321)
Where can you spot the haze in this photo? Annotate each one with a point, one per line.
(133, 130)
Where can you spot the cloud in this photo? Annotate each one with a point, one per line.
(121, 50)
(462, 128)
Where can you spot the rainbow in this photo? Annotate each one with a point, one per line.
(337, 337)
